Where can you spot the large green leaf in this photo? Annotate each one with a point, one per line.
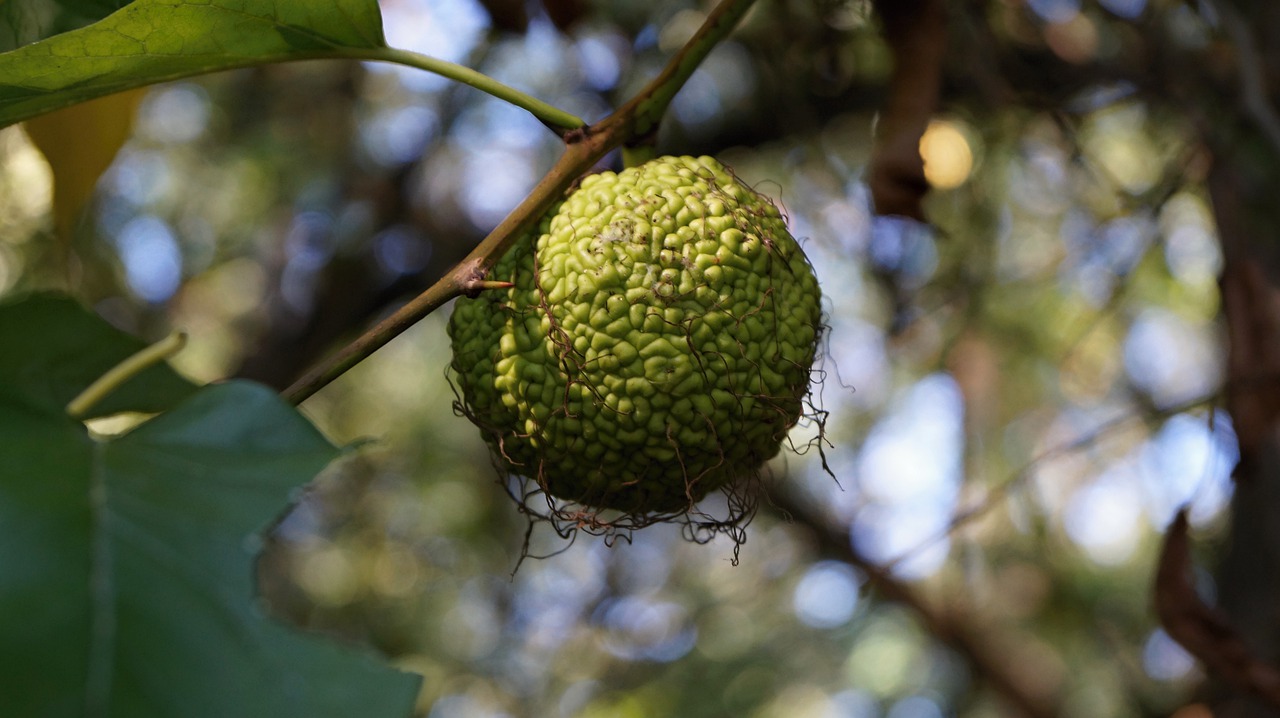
(125, 567)
(150, 41)
(51, 348)
(26, 21)
(126, 564)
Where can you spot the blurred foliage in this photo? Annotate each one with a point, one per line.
(1037, 368)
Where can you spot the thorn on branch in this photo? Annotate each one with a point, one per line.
(474, 288)
(471, 279)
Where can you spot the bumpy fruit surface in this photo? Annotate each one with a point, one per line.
(657, 343)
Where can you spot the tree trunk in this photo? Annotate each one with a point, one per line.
(1243, 185)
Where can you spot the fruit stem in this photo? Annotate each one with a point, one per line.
(558, 120)
(584, 146)
(648, 107)
(636, 155)
(124, 371)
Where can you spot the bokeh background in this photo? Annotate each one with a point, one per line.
(1020, 394)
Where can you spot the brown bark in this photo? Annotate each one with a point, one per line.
(1242, 186)
(917, 36)
(1206, 632)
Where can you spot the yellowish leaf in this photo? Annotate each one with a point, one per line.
(79, 143)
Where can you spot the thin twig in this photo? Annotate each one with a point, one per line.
(584, 147)
(648, 107)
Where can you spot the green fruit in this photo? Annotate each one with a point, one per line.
(657, 343)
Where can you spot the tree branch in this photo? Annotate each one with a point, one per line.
(917, 36)
(1203, 630)
(1254, 94)
(957, 632)
(649, 106)
(584, 147)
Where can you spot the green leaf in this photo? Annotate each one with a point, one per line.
(125, 567)
(150, 41)
(51, 348)
(26, 21)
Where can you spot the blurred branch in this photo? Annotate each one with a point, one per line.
(584, 147)
(558, 120)
(1203, 630)
(1252, 309)
(917, 36)
(507, 15)
(1253, 86)
(1241, 185)
(564, 13)
(956, 630)
(987, 71)
(994, 495)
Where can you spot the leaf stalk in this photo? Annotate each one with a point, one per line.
(558, 120)
(115, 377)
